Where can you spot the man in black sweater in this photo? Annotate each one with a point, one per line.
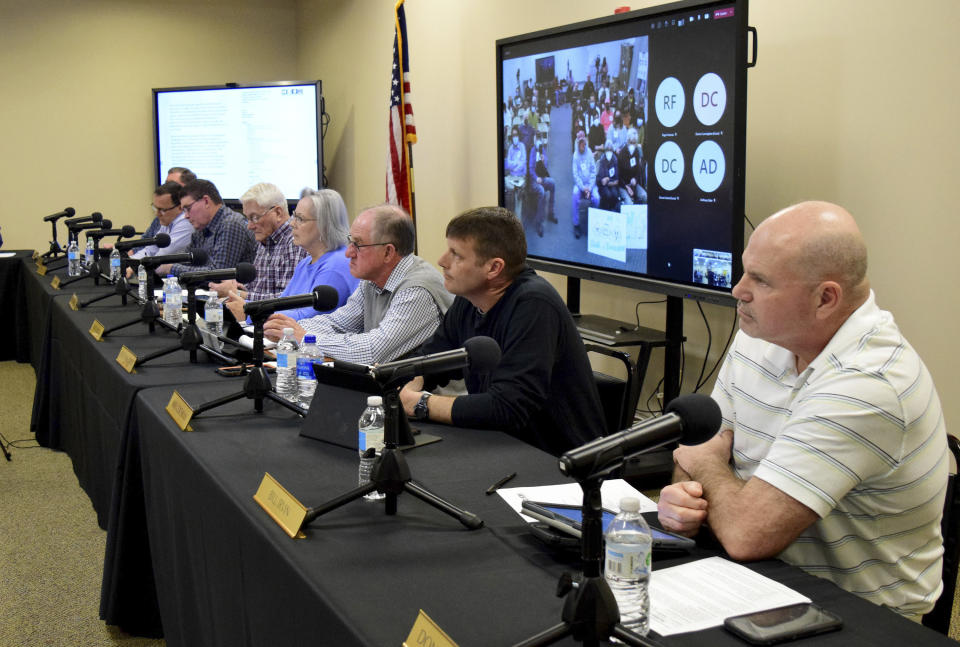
(543, 390)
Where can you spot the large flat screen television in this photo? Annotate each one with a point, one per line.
(238, 135)
(638, 123)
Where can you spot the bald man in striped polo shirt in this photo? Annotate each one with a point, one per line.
(832, 453)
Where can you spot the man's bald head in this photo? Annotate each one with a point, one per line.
(822, 242)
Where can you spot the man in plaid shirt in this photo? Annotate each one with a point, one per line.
(265, 209)
(220, 231)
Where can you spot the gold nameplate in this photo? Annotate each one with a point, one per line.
(282, 506)
(179, 410)
(55, 283)
(96, 330)
(426, 633)
(75, 302)
(126, 359)
(35, 255)
(41, 269)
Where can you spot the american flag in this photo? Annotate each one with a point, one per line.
(403, 132)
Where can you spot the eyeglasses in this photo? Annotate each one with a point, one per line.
(254, 218)
(188, 207)
(300, 219)
(158, 210)
(353, 243)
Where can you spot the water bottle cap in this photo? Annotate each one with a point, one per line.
(309, 339)
(288, 331)
(169, 276)
(629, 504)
(374, 401)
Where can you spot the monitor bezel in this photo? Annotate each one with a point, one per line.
(234, 201)
(626, 278)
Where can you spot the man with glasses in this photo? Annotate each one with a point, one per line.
(398, 304)
(265, 209)
(219, 230)
(170, 221)
(180, 176)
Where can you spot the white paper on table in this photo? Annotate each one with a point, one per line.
(701, 594)
(570, 493)
(7, 254)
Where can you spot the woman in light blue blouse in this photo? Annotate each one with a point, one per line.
(320, 226)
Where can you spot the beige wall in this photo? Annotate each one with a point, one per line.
(850, 102)
(76, 114)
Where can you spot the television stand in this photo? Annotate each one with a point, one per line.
(611, 332)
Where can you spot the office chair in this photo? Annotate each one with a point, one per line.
(939, 618)
(617, 396)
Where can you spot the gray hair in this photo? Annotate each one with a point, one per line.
(266, 195)
(331, 214)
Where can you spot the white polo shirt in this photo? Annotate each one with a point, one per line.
(859, 438)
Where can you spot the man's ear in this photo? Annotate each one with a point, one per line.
(495, 267)
(829, 298)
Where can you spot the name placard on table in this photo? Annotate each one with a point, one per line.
(426, 633)
(282, 506)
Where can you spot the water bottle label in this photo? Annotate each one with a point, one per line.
(305, 368)
(214, 315)
(372, 437)
(282, 361)
(627, 563)
(114, 263)
(73, 256)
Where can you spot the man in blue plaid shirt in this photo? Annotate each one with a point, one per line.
(220, 231)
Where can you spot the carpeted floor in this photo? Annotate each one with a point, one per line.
(51, 549)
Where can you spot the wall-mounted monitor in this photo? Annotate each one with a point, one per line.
(637, 122)
(238, 135)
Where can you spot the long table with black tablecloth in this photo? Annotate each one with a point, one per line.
(192, 556)
(14, 329)
(83, 396)
(224, 573)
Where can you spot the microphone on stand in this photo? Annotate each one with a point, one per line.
(480, 354)
(126, 231)
(243, 273)
(691, 419)
(53, 217)
(160, 240)
(322, 298)
(96, 216)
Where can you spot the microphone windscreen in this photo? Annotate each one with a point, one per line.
(325, 297)
(128, 231)
(70, 211)
(200, 256)
(162, 239)
(700, 415)
(246, 272)
(484, 353)
(96, 216)
(106, 224)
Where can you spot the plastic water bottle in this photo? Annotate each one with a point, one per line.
(371, 441)
(306, 380)
(627, 565)
(88, 258)
(287, 366)
(172, 303)
(142, 282)
(73, 259)
(115, 265)
(213, 316)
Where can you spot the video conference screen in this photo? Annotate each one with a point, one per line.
(238, 136)
(637, 127)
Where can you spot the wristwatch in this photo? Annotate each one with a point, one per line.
(420, 411)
